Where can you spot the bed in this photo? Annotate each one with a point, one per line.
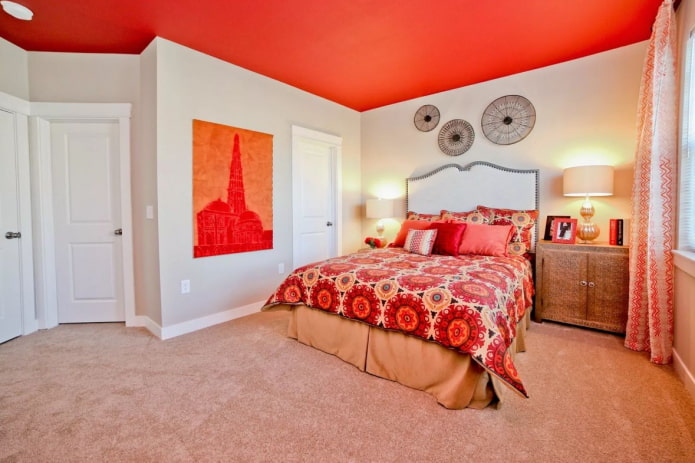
(444, 309)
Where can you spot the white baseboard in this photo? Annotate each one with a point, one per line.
(147, 322)
(190, 326)
(684, 374)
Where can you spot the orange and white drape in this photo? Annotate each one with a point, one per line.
(652, 236)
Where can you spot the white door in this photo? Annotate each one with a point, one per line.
(10, 279)
(87, 215)
(315, 203)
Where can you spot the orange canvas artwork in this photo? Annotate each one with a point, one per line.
(232, 190)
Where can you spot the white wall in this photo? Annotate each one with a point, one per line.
(585, 113)
(14, 70)
(191, 85)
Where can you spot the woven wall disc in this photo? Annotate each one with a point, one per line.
(426, 118)
(508, 119)
(456, 137)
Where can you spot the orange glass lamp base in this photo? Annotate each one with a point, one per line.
(380, 229)
(587, 230)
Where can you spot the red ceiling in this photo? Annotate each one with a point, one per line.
(360, 53)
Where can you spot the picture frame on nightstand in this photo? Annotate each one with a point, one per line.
(564, 231)
(548, 236)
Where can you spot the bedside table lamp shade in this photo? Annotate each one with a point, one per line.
(379, 209)
(587, 181)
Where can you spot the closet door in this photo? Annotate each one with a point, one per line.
(10, 270)
(88, 224)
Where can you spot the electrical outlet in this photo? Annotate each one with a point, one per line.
(281, 268)
(185, 286)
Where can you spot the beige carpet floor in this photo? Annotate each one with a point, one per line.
(242, 391)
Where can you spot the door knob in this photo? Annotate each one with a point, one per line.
(329, 224)
(118, 231)
(12, 235)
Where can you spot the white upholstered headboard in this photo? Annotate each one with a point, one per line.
(461, 188)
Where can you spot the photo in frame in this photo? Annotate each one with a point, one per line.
(564, 231)
(548, 236)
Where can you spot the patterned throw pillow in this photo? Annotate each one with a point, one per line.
(448, 238)
(406, 226)
(417, 216)
(523, 221)
(420, 241)
(466, 217)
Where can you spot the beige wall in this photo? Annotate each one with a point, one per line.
(585, 108)
(585, 113)
(177, 85)
(684, 321)
(14, 70)
(83, 77)
(191, 85)
(110, 78)
(684, 283)
(144, 188)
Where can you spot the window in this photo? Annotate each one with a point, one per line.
(686, 210)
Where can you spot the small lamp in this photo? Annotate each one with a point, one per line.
(587, 181)
(379, 209)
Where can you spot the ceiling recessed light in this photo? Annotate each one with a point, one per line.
(17, 10)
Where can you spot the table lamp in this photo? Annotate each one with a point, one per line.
(379, 209)
(587, 181)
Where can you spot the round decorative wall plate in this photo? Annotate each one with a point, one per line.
(456, 137)
(508, 119)
(426, 118)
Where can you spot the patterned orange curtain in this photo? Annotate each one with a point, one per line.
(650, 314)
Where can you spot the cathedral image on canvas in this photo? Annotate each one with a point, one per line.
(225, 227)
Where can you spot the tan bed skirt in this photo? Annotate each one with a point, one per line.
(455, 380)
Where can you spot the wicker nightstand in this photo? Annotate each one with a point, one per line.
(582, 284)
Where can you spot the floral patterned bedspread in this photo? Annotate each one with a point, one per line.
(468, 303)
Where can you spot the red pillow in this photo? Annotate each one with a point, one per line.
(408, 225)
(448, 238)
(486, 240)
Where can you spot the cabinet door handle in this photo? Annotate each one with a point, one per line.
(591, 284)
(583, 283)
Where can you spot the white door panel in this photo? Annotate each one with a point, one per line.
(89, 258)
(314, 173)
(10, 275)
(86, 204)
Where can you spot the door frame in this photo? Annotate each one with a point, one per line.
(21, 110)
(336, 173)
(42, 116)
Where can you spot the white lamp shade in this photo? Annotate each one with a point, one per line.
(588, 181)
(379, 208)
